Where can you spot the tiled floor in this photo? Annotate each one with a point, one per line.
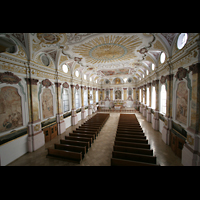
(100, 152)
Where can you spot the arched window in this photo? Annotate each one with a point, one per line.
(77, 99)
(163, 99)
(85, 97)
(65, 100)
(153, 98)
(97, 99)
(147, 96)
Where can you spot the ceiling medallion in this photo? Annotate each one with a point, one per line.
(101, 50)
(105, 52)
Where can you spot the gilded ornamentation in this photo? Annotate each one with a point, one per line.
(190, 139)
(108, 48)
(48, 38)
(37, 127)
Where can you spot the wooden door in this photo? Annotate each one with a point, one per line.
(173, 142)
(46, 132)
(53, 131)
(179, 146)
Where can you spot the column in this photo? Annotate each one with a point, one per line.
(74, 118)
(83, 113)
(36, 137)
(89, 105)
(155, 122)
(103, 95)
(191, 149)
(134, 98)
(141, 103)
(145, 101)
(59, 115)
(125, 94)
(111, 94)
(149, 106)
(168, 117)
(94, 100)
(99, 95)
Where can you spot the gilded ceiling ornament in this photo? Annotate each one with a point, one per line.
(109, 48)
(48, 38)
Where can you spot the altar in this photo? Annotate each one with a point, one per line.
(118, 107)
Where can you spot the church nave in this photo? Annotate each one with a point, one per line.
(100, 152)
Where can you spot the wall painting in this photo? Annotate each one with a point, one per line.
(10, 109)
(181, 102)
(47, 103)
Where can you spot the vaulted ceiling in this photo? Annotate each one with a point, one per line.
(99, 55)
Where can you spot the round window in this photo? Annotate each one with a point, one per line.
(77, 73)
(65, 68)
(45, 60)
(182, 39)
(162, 57)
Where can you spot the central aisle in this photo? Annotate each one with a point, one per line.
(101, 151)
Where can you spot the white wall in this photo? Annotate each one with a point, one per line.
(13, 150)
(161, 124)
(79, 116)
(67, 122)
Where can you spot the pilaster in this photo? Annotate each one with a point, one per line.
(36, 137)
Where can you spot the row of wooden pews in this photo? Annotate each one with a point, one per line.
(131, 147)
(76, 145)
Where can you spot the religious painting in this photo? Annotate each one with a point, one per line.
(108, 73)
(10, 109)
(47, 103)
(117, 81)
(118, 94)
(122, 71)
(181, 103)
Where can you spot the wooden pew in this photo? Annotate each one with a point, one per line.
(130, 133)
(90, 128)
(131, 136)
(76, 143)
(71, 148)
(121, 162)
(84, 139)
(131, 144)
(133, 150)
(86, 132)
(130, 129)
(83, 135)
(123, 139)
(68, 155)
(134, 157)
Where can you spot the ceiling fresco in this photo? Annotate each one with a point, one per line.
(99, 55)
(115, 72)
